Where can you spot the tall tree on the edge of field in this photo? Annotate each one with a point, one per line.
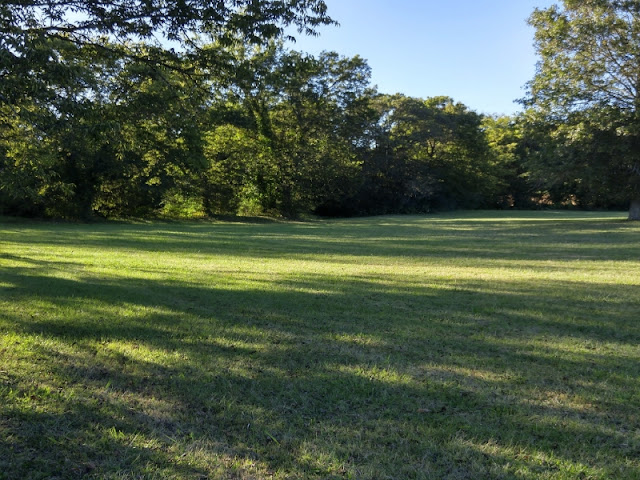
(54, 55)
(305, 130)
(426, 154)
(587, 85)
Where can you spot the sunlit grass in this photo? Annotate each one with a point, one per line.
(468, 345)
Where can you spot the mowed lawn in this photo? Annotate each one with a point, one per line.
(474, 345)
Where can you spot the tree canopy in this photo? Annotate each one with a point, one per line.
(176, 20)
(39, 39)
(197, 107)
(588, 85)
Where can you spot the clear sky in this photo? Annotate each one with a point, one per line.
(480, 52)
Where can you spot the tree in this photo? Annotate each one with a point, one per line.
(152, 138)
(61, 126)
(503, 136)
(426, 154)
(61, 65)
(30, 180)
(587, 86)
(307, 117)
(32, 32)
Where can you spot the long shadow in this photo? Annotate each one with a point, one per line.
(256, 377)
(312, 378)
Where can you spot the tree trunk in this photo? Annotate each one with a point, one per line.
(634, 209)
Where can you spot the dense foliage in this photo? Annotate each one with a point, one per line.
(586, 99)
(98, 116)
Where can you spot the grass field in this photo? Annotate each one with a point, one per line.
(461, 346)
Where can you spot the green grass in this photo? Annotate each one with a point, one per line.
(461, 346)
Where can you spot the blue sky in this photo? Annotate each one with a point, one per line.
(477, 51)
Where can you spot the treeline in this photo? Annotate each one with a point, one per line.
(275, 132)
(242, 125)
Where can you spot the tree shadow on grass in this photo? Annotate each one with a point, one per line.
(147, 378)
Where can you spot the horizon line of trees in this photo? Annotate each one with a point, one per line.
(235, 124)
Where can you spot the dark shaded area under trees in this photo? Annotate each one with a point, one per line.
(98, 118)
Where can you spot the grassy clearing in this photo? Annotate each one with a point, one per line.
(480, 345)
